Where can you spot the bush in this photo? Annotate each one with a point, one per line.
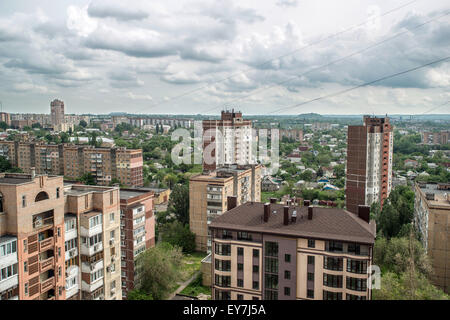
(179, 235)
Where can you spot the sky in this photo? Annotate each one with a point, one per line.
(203, 56)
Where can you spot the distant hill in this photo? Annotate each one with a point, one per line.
(310, 115)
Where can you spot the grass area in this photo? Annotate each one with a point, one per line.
(266, 195)
(195, 288)
(191, 264)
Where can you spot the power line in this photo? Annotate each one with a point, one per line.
(275, 58)
(330, 63)
(361, 85)
(434, 108)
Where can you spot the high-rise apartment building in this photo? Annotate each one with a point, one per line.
(369, 163)
(5, 117)
(286, 252)
(441, 137)
(72, 161)
(432, 220)
(208, 196)
(57, 112)
(235, 147)
(137, 224)
(58, 242)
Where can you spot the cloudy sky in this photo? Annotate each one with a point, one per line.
(201, 56)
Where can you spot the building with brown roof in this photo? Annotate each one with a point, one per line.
(286, 252)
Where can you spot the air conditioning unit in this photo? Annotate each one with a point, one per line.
(92, 267)
(72, 253)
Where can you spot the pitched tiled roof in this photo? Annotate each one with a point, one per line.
(327, 223)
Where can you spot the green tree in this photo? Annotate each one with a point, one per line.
(83, 124)
(3, 125)
(178, 235)
(138, 295)
(179, 203)
(87, 179)
(5, 166)
(158, 270)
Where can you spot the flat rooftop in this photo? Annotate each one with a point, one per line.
(215, 175)
(19, 178)
(126, 194)
(441, 197)
(76, 189)
(326, 223)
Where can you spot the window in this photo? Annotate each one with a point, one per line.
(244, 236)
(354, 297)
(240, 251)
(111, 217)
(331, 280)
(327, 295)
(287, 291)
(287, 258)
(226, 234)
(8, 248)
(222, 249)
(25, 248)
(310, 276)
(311, 243)
(95, 221)
(311, 260)
(69, 224)
(112, 234)
(26, 288)
(240, 283)
(310, 294)
(8, 272)
(57, 193)
(255, 285)
(223, 281)
(255, 269)
(255, 298)
(59, 232)
(287, 274)
(96, 275)
(353, 248)
(271, 265)
(271, 281)
(222, 265)
(356, 284)
(24, 201)
(240, 297)
(271, 295)
(240, 266)
(255, 253)
(331, 263)
(271, 249)
(25, 266)
(335, 246)
(356, 266)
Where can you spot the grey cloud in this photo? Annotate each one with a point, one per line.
(119, 12)
(287, 3)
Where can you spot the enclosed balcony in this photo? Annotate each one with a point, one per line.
(43, 220)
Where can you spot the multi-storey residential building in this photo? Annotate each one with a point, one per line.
(208, 196)
(235, 144)
(369, 163)
(287, 252)
(441, 137)
(72, 161)
(432, 220)
(58, 242)
(92, 242)
(57, 111)
(137, 224)
(294, 134)
(5, 117)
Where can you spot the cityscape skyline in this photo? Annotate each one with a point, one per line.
(240, 54)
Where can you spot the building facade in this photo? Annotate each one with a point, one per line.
(59, 241)
(432, 220)
(72, 161)
(137, 224)
(290, 252)
(369, 163)
(434, 138)
(57, 112)
(208, 196)
(235, 144)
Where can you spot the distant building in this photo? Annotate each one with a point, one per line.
(432, 220)
(290, 252)
(57, 112)
(369, 163)
(435, 138)
(294, 134)
(5, 117)
(235, 147)
(269, 184)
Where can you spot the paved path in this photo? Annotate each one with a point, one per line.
(183, 285)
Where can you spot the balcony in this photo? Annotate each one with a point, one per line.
(42, 222)
(89, 251)
(47, 264)
(47, 284)
(46, 244)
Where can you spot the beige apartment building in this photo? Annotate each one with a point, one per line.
(58, 241)
(208, 196)
(289, 252)
(432, 220)
(72, 161)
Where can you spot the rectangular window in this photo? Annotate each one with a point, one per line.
(255, 285)
(311, 243)
(271, 249)
(331, 280)
(271, 265)
(25, 267)
(24, 201)
(287, 291)
(335, 246)
(240, 297)
(255, 253)
(240, 266)
(240, 283)
(310, 294)
(311, 260)
(287, 258)
(327, 295)
(310, 276)
(57, 193)
(111, 217)
(240, 251)
(332, 263)
(255, 269)
(287, 274)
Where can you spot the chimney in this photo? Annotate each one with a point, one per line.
(286, 216)
(33, 172)
(306, 203)
(231, 202)
(266, 212)
(364, 213)
(273, 200)
(310, 213)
